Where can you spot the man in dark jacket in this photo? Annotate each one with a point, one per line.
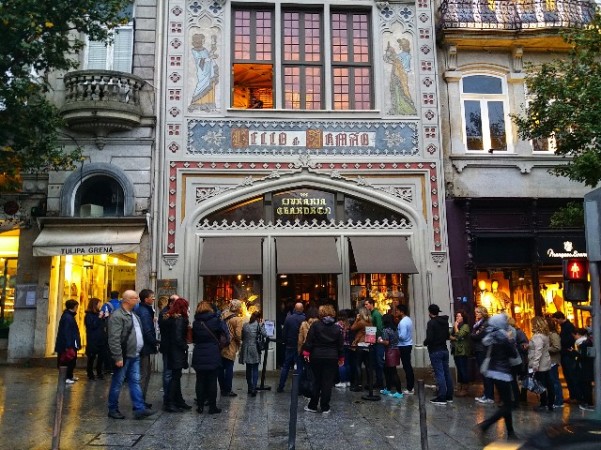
(290, 335)
(145, 312)
(568, 363)
(68, 340)
(167, 373)
(437, 334)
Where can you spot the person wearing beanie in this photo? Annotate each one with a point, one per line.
(437, 335)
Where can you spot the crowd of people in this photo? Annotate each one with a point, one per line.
(329, 348)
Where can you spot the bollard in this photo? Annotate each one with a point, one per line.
(423, 426)
(293, 412)
(58, 414)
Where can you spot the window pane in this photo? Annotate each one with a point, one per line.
(291, 36)
(122, 49)
(252, 81)
(242, 35)
(481, 84)
(263, 30)
(312, 31)
(96, 55)
(362, 89)
(313, 88)
(473, 125)
(341, 88)
(339, 38)
(292, 88)
(360, 38)
(496, 118)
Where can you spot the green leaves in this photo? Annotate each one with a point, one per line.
(565, 102)
(39, 37)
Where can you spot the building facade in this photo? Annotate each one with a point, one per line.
(500, 195)
(85, 233)
(300, 156)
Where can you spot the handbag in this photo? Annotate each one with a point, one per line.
(392, 356)
(486, 362)
(221, 342)
(67, 356)
(261, 339)
(307, 382)
(532, 384)
(189, 335)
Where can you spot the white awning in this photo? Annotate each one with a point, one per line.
(307, 255)
(231, 255)
(382, 254)
(87, 240)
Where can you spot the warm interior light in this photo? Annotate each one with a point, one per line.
(494, 285)
(482, 285)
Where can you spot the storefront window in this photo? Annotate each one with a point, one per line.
(358, 210)
(9, 250)
(82, 277)
(386, 289)
(223, 288)
(304, 205)
(251, 210)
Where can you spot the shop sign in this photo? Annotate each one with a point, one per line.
(95, 250)
(304, 205)
(568, 252)
(166, 288)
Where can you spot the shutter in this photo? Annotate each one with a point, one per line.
(97, 52)
(123, 49)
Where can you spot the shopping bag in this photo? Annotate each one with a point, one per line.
(307, 382)
(533, 385)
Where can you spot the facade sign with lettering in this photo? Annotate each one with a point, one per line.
(304, 205)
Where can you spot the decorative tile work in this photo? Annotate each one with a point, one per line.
(302, 137)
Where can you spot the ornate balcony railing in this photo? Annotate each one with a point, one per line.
(514, 14)
(102, 101)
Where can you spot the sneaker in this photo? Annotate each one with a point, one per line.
(340, 385)
(69, 381)
(116, 414)
(408, 392)
(311, 410)
(438, 401)
(484, 400)
(144, 413)
(385, 392)
(488, 401)
(480, 399)
(430, 386)
(449, 399)
(326, 412)
(586, 407)
(559, 406)
(397, 395)
(348, 384)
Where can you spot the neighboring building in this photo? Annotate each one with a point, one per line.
(500, 195)
(299, 155)
(85, 233)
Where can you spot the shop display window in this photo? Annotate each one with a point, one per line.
(8, 279)
(82, 277)
(220, 289)
(387, 289)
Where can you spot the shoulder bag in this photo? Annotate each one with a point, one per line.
(221, 342)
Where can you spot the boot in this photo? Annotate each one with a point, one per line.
(462, 392)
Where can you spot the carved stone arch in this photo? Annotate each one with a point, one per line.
(304, 179)
(75, 180)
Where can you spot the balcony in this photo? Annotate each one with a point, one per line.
(102, 101)
(533, 23)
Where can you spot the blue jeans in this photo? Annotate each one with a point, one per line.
(167, 376)
(131, 370)
(290, 358)
(252, 376)
(225, 375)
(462, 372)
(554, 374)
(440, 364)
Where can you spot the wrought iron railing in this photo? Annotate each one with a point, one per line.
(102, 86)
(514, 14)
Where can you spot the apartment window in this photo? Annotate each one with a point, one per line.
(484, 113)
(302, 60)
(116, 55)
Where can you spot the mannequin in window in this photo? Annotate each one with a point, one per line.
(255, 103)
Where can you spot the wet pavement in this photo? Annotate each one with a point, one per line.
(27, 405)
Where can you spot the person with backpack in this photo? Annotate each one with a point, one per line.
(234, 323)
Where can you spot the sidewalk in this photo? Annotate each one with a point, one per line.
(27, 402)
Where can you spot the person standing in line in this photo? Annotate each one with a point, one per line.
(345, 373)
(95, 339)
(145, 312)
(175, 344)
(107, 309)
(206, 357)
(539, 360)
(518, 370)
(478, 333)
(250, 354)
(290, 332)
(586, 368)
(234, 323)
(555, 354)
(405, 331)
(390, 339)
(360, 348)
(462, 350)
(125, 342)
(68, 340)
(437, 334)
(167, 374)
(499, 371)
(568, 364)
(323, 350)
(377, 357)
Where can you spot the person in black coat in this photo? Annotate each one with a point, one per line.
(173, 342)
(145, 312)
(68, 340)
(96, 339)
(206, 358)
(323, 349)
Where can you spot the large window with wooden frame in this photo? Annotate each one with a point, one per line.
(303, 60)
